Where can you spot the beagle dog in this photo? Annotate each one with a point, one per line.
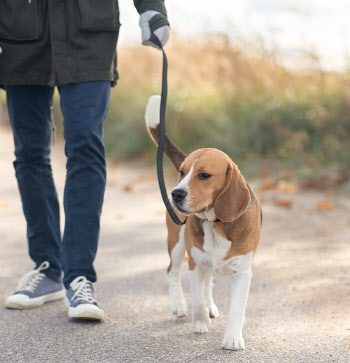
(220, 236)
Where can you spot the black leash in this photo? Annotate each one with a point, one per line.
(156, 22)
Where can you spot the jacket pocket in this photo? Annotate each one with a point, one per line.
(21, 20)
(98, 15)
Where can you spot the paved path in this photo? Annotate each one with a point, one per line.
(298, 309)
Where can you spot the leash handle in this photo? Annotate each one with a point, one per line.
(156, 22)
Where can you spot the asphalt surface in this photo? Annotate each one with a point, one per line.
(283, 324)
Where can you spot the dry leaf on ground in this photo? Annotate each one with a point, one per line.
(128, 187)
(287, 187)
(284, 203)
(325, 205)
(268, 184)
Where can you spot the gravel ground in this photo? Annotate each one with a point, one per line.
(298, 308)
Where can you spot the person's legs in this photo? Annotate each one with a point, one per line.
(84, 107)
(30, 117)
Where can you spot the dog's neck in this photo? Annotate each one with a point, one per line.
(209, 215)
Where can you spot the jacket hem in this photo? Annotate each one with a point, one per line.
(81, 77)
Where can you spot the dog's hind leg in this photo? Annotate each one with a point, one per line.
(208, 293)
(177, 252)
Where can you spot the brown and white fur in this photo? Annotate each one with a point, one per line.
(210, 187)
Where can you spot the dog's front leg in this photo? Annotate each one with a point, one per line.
(213, 310)
(239, 295)
(200, 312)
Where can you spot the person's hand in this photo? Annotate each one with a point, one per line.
(162, 33)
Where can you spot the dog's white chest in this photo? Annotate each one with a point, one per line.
(214, 244)
(216, 248)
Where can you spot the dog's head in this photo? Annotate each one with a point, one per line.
(211, 183)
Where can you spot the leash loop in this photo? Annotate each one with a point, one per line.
(156, 22)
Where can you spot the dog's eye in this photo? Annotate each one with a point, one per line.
(204, 176)
(181, 173)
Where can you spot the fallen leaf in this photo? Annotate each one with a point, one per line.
(186, 258)
(287, 187)
(325, 205)
(3, 205)
(128, 187)
(268, 184)
(285, 203)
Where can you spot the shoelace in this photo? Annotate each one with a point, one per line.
(30, 280)
(83, 289)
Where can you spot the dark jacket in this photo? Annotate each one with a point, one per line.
(54, 42)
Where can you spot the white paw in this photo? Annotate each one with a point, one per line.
(233, 343)
(213, 311)
(200, 326)
(179, 310)
(178, 305)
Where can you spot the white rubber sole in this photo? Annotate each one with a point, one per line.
(84, 311)
(20, 301)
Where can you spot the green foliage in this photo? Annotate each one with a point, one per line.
(248, 106)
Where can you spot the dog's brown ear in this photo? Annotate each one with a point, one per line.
(234, 198)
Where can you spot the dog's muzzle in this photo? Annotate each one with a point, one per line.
(178, 195)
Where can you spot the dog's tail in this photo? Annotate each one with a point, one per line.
(152, 122)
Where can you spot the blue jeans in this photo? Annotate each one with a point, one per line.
(84, 107)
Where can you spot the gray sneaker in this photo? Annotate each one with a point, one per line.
(34, 289)
(81, 300)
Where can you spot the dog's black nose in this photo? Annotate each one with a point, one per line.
(178, 195)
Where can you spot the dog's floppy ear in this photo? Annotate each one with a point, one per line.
(234, 198)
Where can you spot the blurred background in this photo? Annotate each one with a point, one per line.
(266, 81)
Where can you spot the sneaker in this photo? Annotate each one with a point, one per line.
(34, 289)
(81, 301)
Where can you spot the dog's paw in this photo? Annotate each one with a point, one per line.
(213, 311)
(233, 343)
(201, 326)
(178, 305)
(179, 310)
